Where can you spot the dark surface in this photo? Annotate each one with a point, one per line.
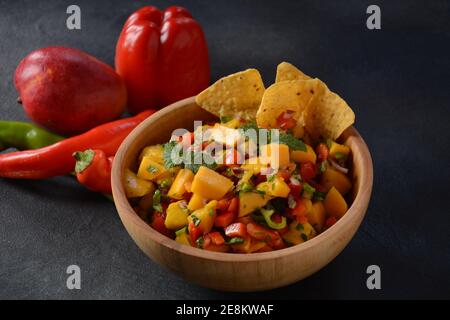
(396, 80)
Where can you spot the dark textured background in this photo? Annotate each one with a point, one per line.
(396, 80)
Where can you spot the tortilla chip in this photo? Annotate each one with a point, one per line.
(287, 95)
(328, 115)
(287, 71)
(237, 95)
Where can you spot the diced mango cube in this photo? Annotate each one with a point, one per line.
(275, 154)
(302, 156)
(251, 201)
(254, 164)
(196, 202)
(210, 184)
(233, 123)
(135, 186)
(204, 216)
(298, 233)
(178, 188)
(150, 169)
(155, 152)
(275, 188)
(339, 148)
(182, 236)
(176, 215)
(333, 178)
(317, 216)
(335, 204)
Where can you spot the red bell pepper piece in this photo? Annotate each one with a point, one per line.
(234, 205)
(307, 170)
(261, 233)
(223, 220)
(237, 229)
(223, 204)
(322, 152)
(286, 121)
(157, 223)
(93, 169)
(216, 238)
(194, 232)
(162, 56)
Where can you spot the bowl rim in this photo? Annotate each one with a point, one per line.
(362, 196)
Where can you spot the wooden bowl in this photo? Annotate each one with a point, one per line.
(231, 271)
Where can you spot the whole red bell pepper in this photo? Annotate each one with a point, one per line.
(162, 56)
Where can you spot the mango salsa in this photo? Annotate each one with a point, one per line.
(283, 194)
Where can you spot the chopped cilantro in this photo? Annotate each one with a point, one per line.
(211, 212)
(235, 240)
(157, 201)
(299, 226)
(196, 220)
(340, 155)
(292, 142)
(225, 119)
(152, 169)
(304, 237)
(323, 166)
(200, 241)
(245, 187)
(171, 160)
(319, 196)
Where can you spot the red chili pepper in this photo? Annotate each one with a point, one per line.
(286, 121)
(57, 159)
(237, 229)
(93, 169)
(162, 56)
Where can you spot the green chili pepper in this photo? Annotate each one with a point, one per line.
(267, 214)
(25, 136)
